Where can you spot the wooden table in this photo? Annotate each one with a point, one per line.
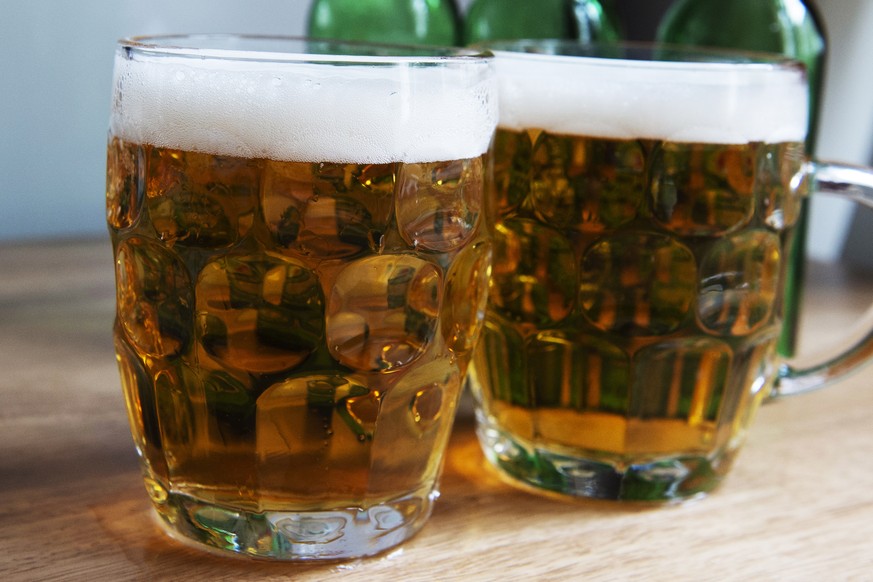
(798, 505)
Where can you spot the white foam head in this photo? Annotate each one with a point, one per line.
(688, 102)
(282, 107)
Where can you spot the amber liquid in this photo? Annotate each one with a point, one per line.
(633, 312)
(293, 336)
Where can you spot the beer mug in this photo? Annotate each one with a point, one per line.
(302, 265)
(645, 200)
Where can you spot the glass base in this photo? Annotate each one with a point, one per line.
(334, 534)
(664, 479)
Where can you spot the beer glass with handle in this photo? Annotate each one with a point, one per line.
(302, 263)
(646, 198)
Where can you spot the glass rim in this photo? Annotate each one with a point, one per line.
(641, 55)
(297, 49)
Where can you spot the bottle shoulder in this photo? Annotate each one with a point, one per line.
(397, 21)
(787, 27)
(516, 19)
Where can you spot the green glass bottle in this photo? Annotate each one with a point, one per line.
(595, 21)
(431, 22)
(789, 27)
(516, 19)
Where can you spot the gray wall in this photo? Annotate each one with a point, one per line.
(56, 60)
(56, 70)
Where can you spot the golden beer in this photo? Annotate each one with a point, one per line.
(293, 329)
(635, 298)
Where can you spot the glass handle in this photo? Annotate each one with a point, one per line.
(852, 183)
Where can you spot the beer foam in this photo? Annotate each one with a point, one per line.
(299, 111)
(688, 102)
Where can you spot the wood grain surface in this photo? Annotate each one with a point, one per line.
(798, 505)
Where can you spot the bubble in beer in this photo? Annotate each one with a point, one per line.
(739, 283)
(438, 204)
(201, 200)
(638, 283)
(259, 313)
(361, 413)
(154, 298)
(382, 312)
(535, 280)
(327, 210)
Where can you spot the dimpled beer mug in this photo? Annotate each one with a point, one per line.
(302, 266)
(645, 201)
